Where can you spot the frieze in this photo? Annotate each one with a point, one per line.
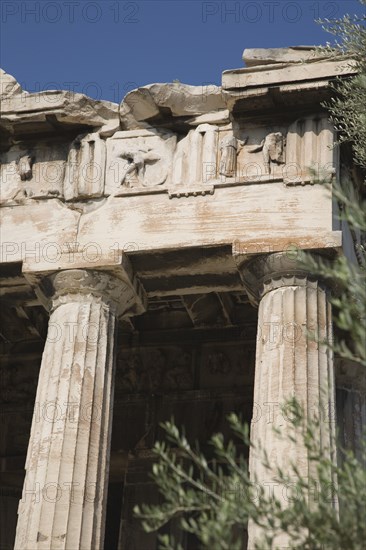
(229, 149)
(139, 160)
(273, 150)
(29, 173)
(154, 370)
(189, 164)
(195, 159)
(19, 383)
(85, 169)
(170, 368)
(311, 154)
(226, 365)
(24, 167)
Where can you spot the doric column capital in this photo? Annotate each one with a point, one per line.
(82, 285)
(265, 272)
(77, 370)
(112, 283)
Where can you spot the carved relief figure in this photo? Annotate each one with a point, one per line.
(155, 366)
(137, 159)
(272, 146)
(179, 374)
(129, 374)
(24, 167)
(229, 147)
(33, 173)
(17, 386)
(229, 151)
(218, 363)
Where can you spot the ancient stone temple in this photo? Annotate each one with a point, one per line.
(149, 269)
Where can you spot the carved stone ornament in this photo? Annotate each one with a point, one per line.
(218, 363)
(273, 149)
(24, 167)
(310, 152)
(123, 295)
(16, 171)
(195, 156)
(230, 147)
(32, 173)
(139, 159)
(266, 272)
(85, 168)
(19, 384)
(154, 369)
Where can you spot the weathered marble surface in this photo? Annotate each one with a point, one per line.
(174, 191)
(179, 100)
(268, 56)
(138, 160)
(172, 140)
(49, 230)
(29, 113)
(286, 73)
(290, 363)
(9, 86)
(151, 160)
(64, 496)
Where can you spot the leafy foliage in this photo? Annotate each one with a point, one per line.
(347, 108)
(214, 499)
(348, 113)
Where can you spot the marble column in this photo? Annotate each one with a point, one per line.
(294, 317)
(64, 495)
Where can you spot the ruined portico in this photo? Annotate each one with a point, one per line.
(149, 268)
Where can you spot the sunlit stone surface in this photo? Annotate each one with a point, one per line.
(172, 220)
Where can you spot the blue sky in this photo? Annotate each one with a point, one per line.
(106, 48)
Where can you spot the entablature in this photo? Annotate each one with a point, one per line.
(243, 169)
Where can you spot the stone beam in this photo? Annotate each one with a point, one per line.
(181, 271)
(286, 73)
(253, 57)
(260, 212)
(281, 90)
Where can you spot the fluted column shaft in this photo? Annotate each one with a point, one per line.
(294, 318)
(64, 496)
